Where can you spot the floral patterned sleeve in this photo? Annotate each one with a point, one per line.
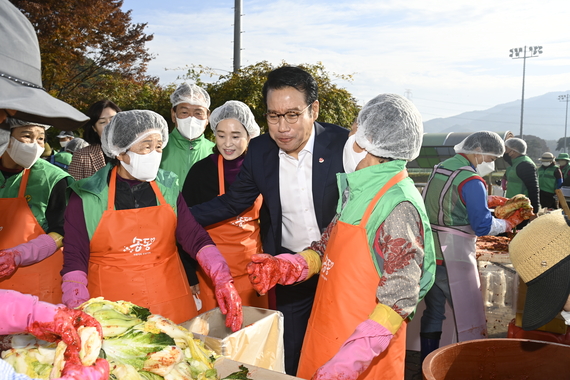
(320, 246)
(399, 250)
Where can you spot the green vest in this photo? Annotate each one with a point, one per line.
(363, 185)
(42, 179)
(565, 169)
(514, 184)
(546, 179)
(94, 193)
(442, 198)
(62, 160)
(180, 154)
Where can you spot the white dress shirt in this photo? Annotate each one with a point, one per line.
(299, 227)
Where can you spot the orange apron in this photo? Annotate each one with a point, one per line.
(237, 239)
(19, 225)
(134, 258)
(346, 295)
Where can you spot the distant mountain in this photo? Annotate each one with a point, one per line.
(542, 117)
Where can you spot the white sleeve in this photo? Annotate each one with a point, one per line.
(498, 226)
(7, 372)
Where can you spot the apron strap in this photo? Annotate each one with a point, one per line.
(394, 180)
(113, 186)
(24, 183)
(222, 184)
(158, 193)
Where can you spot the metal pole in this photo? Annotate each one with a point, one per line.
(522, 100)
(565, 125)
(237, 35)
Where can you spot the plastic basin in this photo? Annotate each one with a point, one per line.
(498, 359)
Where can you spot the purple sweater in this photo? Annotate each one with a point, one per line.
(189, 233)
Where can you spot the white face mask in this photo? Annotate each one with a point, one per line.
(485, 168)
(191, 128)
(350, 158)
(546, 163)
(63, 143)
(24, 154)
(143, 167)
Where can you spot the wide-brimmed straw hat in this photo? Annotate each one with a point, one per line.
(540, 253)
(20, 75)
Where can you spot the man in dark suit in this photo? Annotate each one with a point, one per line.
(294, 167)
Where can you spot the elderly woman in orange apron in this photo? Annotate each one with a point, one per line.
(375, 260)
(238, 238)
(124, 222)
(32, 200)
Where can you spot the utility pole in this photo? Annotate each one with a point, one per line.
(408, 94)
(534, 51)
(565, 98)
(237, 35)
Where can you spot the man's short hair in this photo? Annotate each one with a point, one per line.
(291, 76)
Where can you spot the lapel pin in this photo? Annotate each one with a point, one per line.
(321, 160)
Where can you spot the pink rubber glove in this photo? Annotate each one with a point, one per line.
(74, 288)
(369, 340)
(266, 271)
(27, 253)
(495, 200)
(216, 267)
(98, 371)
(20, 310)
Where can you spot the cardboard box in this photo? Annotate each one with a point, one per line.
(227, 366)
(258, 343)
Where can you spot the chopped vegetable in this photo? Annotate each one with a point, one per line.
(239, 375)
(137, 344)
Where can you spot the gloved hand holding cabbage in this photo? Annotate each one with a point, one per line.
(137, 345)
(64, 328)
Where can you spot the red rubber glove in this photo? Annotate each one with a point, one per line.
(266, 271)
(64, 326)
(216, 267)
(27, 253)
(514, 219)
(97, 371)
(8, 263)
(495, 200)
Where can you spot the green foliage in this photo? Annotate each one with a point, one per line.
(560, 143)
(337, 105)
(81, 42)
(535, 146)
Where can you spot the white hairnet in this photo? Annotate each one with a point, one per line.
(128, 127)
(12, 122)
(4, 140)
(76, 144)
(191, 94)
(390, 126)
(234, 109)
(516, 144)
(483, 142)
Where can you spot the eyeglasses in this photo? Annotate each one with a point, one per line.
(290, 117)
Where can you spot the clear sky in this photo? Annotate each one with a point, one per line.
(448, 56)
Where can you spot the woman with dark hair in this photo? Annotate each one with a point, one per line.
(89, 160)
(237, 238)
